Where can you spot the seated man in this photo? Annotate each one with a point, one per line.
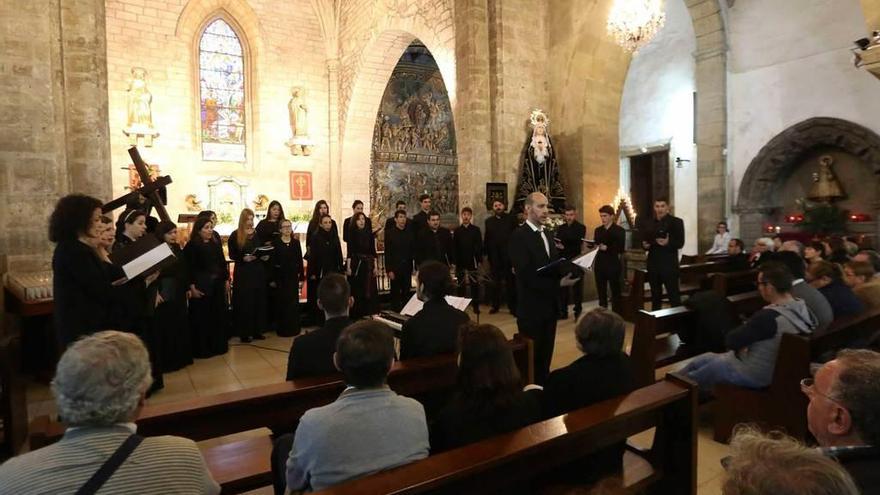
(814, 299)
(368, 428)
(871, 256)
(735, 251)
(860, 276)
(434, 329)
(827, 278)
(753, 346)
(99, 387)
(312, 354)
(843, 414)
(778, 465)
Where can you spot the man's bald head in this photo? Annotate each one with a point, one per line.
(536, 208)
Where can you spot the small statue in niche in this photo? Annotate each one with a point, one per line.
(139, 121)
(298, 113)
(540, 172)
(826, 188)
(193, 203)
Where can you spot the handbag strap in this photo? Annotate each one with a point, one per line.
(110, 465)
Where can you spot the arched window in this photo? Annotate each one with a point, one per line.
(221, 93)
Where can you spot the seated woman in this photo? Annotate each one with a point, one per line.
(859, 275)
(828, 279)
(488, 399)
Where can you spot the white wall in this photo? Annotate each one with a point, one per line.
(657, 107)
(790, 61)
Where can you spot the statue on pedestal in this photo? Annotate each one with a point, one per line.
(140, 115)
(826, 188)
(540, 172)
(298, 113)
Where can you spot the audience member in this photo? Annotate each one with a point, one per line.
(836, 252)
(827, 278)
(860, 276)
(814, 299)
(762, 245)
(603, 372)
(813, 252)
(777, 242)
(778, 465)
(722, 239)
(99, 387)
(844, 414)
(871, 256)
(736, 253)
(312, 354)
(488, 398)
(796, 247)
(753, 346)
(434, 329)
(368, 428)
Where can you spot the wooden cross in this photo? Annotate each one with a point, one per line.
(149, 189)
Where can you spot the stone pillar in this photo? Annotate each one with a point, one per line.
(711, 118)
(84, 79)
(333, 156)
(473, 108)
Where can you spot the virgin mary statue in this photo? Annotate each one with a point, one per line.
(540, 172)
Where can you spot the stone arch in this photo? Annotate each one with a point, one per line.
(380, 58)
(775, 162)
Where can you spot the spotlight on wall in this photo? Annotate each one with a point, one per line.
(679, 160)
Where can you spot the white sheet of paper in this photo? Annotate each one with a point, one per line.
(585, 261)
(147, 260)
(414, 305)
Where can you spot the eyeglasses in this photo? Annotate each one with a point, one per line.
(808, 387)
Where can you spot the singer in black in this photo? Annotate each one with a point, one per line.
(287, 273)
(348, 224)
(434, 243)
(610, 240)
(269, 228)
(399, 255)
(662, 236)
(571, 235)
(170, 319)
(532, 248)
(361, 267)
(390, 222)
(249, 280)
(499, 226)
(208, 286)
(325, 257)
(468, 246)
(420, 219)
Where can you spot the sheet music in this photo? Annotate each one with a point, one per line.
(585, 261)
(414, 305)
(147, 260)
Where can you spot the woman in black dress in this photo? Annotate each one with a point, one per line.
(325, 257)
(361, 267)
(212, 217)
(321, 209)
(132, 225)
(82, 287)
(287, 263)
(249, 280)
(267, 231)
(208, 284)
(170, 319)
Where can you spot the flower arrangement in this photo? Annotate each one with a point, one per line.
(821, 218)
(554, 221)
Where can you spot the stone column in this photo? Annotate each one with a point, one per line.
(333, 157)
(711, 118)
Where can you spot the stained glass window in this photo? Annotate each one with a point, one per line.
(221, 92)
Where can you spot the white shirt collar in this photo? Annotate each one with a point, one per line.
(534, 227)
(797, 281)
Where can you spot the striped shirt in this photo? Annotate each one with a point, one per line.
(159, 465)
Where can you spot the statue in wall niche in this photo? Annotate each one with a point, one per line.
(826, 188)
(139, 122)
(298, 113)
(193, 203)
(540, 171)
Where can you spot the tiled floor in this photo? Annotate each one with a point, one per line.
(265, 362)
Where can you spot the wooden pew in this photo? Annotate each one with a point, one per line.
(13, 405)
(691, 278)
(782, 405)
(655, 342)
(729, 283)
(240, 465)
(513, 460)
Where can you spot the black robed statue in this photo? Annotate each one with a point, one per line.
(540, 172)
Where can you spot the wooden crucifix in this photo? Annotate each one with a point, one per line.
(149, 189)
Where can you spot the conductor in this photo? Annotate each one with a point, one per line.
(531, 248)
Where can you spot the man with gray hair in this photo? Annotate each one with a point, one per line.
(100, 385)
(844, 414)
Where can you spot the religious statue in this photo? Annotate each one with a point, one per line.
(193, 203)
(298, 113)
(826, 188)
(540, 172)
(261, 203)
(139, 122)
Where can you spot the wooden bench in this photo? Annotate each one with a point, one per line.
(240, 465)
(730, 283)
(655, 342)
(515, 459)
(782, 405)
(690, 280)
(13, 404)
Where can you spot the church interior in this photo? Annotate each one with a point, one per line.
(761, 114)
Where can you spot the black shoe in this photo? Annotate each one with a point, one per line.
(259, 336)
(245, 340)
(493, 311)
